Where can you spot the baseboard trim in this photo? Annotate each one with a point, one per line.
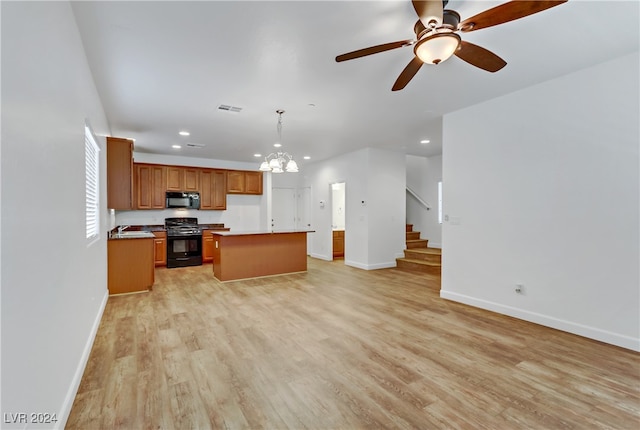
(321, 257)
(376, 266)
(594, 333)
(77, 378)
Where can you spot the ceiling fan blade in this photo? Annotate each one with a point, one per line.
(407, 74)
(373, 50)
(429, 11)
(480, 57)
(506, 12)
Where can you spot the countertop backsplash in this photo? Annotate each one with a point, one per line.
(238, 218)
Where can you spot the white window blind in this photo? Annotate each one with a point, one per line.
(92, 198)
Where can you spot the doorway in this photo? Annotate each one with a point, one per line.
(338, 219)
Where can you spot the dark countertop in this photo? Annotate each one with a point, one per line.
(160, 227)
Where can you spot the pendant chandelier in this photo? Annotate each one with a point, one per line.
(280, 161)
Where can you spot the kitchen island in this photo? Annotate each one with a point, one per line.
(243, 255)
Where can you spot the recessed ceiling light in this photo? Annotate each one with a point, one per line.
(257, 155)
(277, 145)
(425, 141)
(306, 157)
(176, 146)
(184, 133)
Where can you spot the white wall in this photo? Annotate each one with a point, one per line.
(548, 196)
(374, 230)
(423, 175)
(54, 286)
(244, 212)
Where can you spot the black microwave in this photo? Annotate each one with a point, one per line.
(176, 199)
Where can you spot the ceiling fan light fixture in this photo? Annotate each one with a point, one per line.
(437, 47)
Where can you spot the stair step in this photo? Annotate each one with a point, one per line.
(417, 243)
(409, 227)
(419, 265)
(426, 254)
(412, 235)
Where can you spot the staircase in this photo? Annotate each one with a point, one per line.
(418, 256)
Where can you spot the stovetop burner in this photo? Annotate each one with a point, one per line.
(182, 227)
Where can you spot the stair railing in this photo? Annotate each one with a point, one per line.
(418, 198)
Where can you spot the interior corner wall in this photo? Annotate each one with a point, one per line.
(386, 207)
(423, 175)
(372, 236)
(547, 196)
(54, 286)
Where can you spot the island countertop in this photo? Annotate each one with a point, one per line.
(257, 232)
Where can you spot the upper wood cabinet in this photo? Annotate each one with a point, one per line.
(244, 182)
(213, 189)
(150, 180)
(182, 178)
(119, 173)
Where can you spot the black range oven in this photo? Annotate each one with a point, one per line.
(184, 242)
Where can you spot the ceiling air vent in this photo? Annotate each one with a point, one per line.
(228, 108)
(195, 145)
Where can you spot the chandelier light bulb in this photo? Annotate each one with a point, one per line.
(278, 162)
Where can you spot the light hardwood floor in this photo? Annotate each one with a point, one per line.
(340, 348)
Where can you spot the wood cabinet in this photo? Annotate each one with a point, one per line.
(213, 189)
(160, 248)
(150, 187)
(244, 182)
(338, 243)
(152, 181)
(251, 255)
(119, 173)
(130, 265)
(208, 246)
(182, 178)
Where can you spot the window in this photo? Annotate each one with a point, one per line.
(92, 198)
(440, 202)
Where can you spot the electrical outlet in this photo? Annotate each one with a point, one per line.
(519, 288)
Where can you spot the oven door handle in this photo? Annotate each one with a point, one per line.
(181, 258)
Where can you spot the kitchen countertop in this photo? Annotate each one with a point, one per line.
(258, 232)
(161, 227)
(131, 234)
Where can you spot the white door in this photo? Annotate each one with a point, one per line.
(283, 209)
(303, 220)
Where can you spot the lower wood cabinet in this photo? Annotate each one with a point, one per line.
(208, 246)
(130, 265)
(338, 243)
(160, 248)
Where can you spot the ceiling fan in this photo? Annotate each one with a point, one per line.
(436, 38)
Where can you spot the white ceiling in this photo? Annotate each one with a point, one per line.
(161, 67)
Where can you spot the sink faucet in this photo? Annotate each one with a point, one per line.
(122, 228)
